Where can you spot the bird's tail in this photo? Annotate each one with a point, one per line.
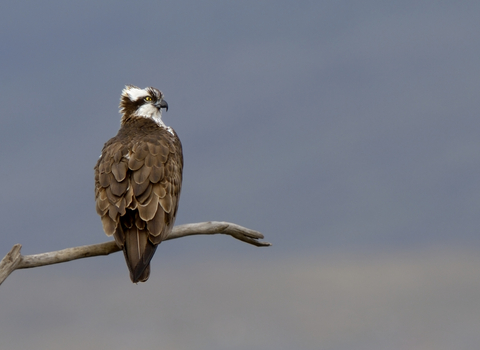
(138, 251)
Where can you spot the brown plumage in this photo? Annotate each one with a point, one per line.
(138, 179)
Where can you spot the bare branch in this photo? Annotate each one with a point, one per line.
(14, 260)
(10, 262)
(219, 227)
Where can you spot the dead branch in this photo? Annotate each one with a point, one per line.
(14, 260)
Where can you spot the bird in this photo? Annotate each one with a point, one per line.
(138, 179)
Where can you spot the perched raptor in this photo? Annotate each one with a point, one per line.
(138, 179)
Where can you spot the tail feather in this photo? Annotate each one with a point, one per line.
(138, 251)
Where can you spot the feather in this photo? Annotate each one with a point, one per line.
(108, 225)
(119, 188)
(119, 170)
(101, 194)
(129, 195)
(147, 211)
(146, 195)
(135, 164)
(99, 210)
(157, 224)
(119, 236)
(159, 190)
(138, 189)
(119, 153)
(154, 149)
(121, 207)
(150, 160)
(142, 174)
(112, 198)
(105, 179)
(139, 222)
(101, 206)
(101, 168)
(166, 203)
(140, 152)
(156, 174)
(138, 251)
(157, 239)
(164, 151)
(107, 165)
(113, 212)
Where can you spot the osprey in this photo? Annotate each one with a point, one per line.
(138, 179)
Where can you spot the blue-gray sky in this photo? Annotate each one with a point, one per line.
(334, 128)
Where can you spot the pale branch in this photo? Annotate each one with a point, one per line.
(14, 260)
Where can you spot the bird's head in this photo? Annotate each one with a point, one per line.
(142, 103)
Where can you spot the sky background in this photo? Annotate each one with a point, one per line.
(345, 131)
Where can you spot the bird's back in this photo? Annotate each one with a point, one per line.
(138, 180)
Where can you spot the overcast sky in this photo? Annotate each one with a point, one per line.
(345, 131)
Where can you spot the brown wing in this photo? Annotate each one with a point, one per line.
(137, 189)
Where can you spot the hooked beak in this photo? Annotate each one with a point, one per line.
(162, 104)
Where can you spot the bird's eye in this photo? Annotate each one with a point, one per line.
(148, 98)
